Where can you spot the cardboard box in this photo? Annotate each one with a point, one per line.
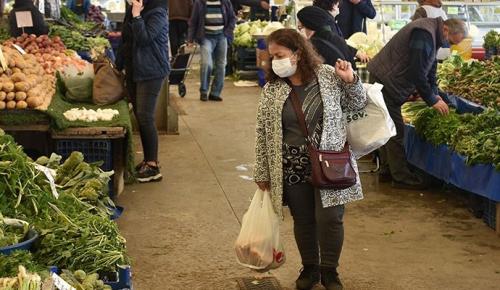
(263, 58)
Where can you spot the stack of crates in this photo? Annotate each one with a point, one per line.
(245, 59)
(489, 212)
(93, 150)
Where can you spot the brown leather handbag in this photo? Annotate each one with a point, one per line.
(330, 169)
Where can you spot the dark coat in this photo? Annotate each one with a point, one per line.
(352, 18)
(332, 47)
(144, 49)
(197, 22)
(391, 66)
(39, 25)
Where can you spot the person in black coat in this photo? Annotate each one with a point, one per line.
(39, 25)
(332, 7)
(314, 25)
(353, 14)
(144, 56)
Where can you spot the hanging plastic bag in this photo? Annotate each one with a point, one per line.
(258, 245)
(370, 128)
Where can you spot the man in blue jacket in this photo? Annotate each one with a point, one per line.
(211, 26)
(353, 14)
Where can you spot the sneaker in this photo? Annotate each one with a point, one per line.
(203, 97)
(139, 166)
(309, 276)
(330, 279)
(215, 98)
(148, 173)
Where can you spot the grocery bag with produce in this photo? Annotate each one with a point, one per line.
(258, 245)
(372, 127)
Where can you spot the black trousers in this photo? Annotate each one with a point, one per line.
(319, 232)
(177, 33)
(392, 154)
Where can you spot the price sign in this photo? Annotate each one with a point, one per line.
(24, 19)
(50, 177)
(18, 48)
(60, 283)
(3, 62)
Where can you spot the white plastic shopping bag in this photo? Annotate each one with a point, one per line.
(372, 127)
(258, 245)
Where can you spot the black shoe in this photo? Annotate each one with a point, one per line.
(203, 97)
(139, 166)
(148, 173)
(330, 279)
(410, 186)
(215, 98)
(309, 276)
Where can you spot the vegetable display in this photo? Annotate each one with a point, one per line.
(75, 231)
(10, 235)
(23, 281)
(477, 81)
(244, 31)
(477, 137)
(77, 41)
(80, 280)
(491, 40)
(23, 84)
(95, 14)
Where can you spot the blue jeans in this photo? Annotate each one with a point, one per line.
(213, 56)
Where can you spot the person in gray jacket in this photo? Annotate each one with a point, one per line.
(211, 25)
(408, 63)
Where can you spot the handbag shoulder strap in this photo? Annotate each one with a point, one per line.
(297, 107)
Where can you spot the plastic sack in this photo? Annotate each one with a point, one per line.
(258, 245)
(371, 127)
(78, 83)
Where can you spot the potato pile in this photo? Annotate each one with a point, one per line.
(50, 52)
(24, 83)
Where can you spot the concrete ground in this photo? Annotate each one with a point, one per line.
(181, 231)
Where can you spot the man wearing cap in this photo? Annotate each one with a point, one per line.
(408, 63)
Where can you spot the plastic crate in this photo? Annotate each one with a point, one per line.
(93, 150)
(246, 53)
(246, 66)
(489, 213)
(121, 280)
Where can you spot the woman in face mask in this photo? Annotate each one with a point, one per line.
(313, 25)
(144, 56)
(282, 164)
(332, 7)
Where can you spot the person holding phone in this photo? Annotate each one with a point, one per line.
(282, 162)
(144, 56)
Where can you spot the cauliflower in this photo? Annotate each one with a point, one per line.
(89, 115)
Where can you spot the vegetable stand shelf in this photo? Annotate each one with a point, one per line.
(107, 144)
(445, 164)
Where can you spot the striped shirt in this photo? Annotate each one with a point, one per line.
(214, 21)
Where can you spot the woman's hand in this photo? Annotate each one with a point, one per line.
(264, 185)
(137, 7)
(344, 70)
(363, 57)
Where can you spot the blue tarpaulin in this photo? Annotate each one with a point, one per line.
(465, 106)
(449, 166)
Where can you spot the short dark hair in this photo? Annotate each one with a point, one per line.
(308, 60)
(325, 4)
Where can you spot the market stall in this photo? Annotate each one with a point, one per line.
(462, 148)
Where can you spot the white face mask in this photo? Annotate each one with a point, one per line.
(129, 2)
(284, 67)
(335, 12)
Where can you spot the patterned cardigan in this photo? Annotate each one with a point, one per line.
(338, 97)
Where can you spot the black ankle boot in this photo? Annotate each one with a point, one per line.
(330, 279)
(309, 276)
